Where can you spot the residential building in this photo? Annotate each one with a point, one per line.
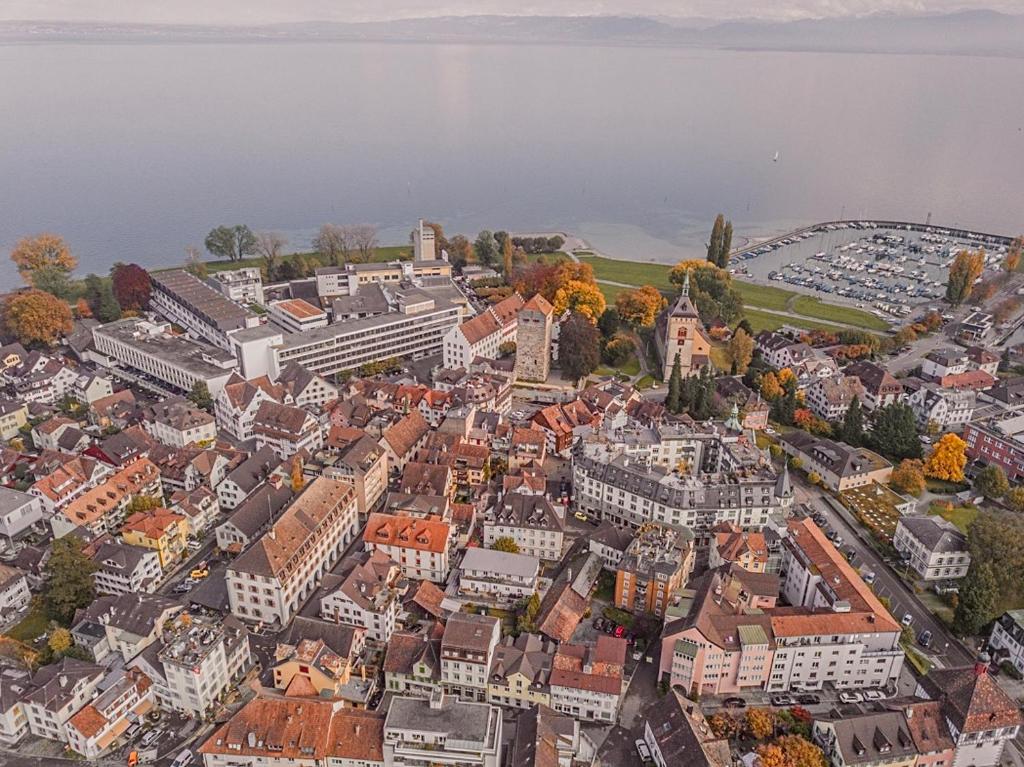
(307, 389)
(196, 660)
(326, 666)
(521, 671)
(356, 458)
(201, 310)
(733, 545)
(199, 507)
(442, 730)
(119, 410)
(609, 541)
(497, 577)
(412, 663)
(980, 358)
(683, 335)
(753, 411)
(276, 574)
(483, 335)
(14, 591)
(980, 716)
(369, 596)
(782, 352)
(830, 398)
(13, 721)
(933, 547)
(677, 733)
(297, 316)
(529, 520)
(840, 466)
(98, 724)
(18, 512)
(177, 422)
(128, 623)
(939, 363)
(421, 547)
(997, 441)
(1006, 642)
(403, 439)
(267, 732)
(56, 693)
(160, 530)
(562, 423)
(236, 405)
(125, 569)
(467, 653)
(880, 388)
(243, 286)
(248, 476)
(286, 429)
(533, 340)
(90, 387)
(587, 681)
(880, 739)
(13, 415)
(252, 517)
(934, 405)
(46, 435)
(654, 566)
(133, 346)
(102, 508)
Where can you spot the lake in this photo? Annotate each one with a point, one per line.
(133, 152)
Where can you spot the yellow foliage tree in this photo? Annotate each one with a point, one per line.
(582, 297)
(741, 350)
(965, 269)
(770, 388)
(1013, 254)
(640, 307)
(35, 317)
(60, 640)
(44, 252)
(785, 376)
(908, 477)
(800, 752)
(771, 755)
(948, 459)
(760, 723)
(298, 480)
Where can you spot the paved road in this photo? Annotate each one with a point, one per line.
(946, 650)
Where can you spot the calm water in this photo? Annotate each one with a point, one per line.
(135, 151)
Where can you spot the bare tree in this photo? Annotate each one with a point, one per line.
(270, 245)
(193, 261)
(365, 238)
(333, 242)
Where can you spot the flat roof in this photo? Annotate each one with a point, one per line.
(190, 290)
(299, 309)
(174, 349)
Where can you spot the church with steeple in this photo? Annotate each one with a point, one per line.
(684, 335)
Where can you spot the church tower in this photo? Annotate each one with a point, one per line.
(685, 335)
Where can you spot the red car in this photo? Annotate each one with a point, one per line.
(620, 630)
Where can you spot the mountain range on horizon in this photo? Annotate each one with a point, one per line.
(976, 32)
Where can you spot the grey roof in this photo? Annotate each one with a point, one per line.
(53, 686)
(500, 563)
(132, 613)
(370, 299)
(877, 737)
(178, 413)
(11, 500)
(255, 469)
(525, 510)
(938, 535)
(212, 592)
(459, 721)
(220, 311)
(683, 736)
(841, 459)
(177, 350)
(120, 557)
(257, 511)
(337, 636)
(611, 535)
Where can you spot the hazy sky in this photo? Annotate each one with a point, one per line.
(270, 11)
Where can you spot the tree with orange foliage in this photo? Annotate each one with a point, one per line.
(42, 253)
(785, 376)
(760, 723)
(948, 459)
(965, 269)
(82, 309)
(724, 725)
(771, 389)
(1012, 261)
(35, 317)
(771, 755)
(582, 297)
(575, 270)
(908, 477)
(741, 350)
(298, 480)
(800, 752)
(640, 307)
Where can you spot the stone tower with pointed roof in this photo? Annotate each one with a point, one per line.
(533, 340)
(684, 335)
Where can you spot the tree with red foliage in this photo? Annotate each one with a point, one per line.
(131, 285)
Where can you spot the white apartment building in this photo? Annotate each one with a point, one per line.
(286, 429)
(125, 569)
(483, 335)
(497, 577)
(275, 575)
(346, 280)
(14, 591)
(368, 597)
(177, 422)
(945, 408)
(467, 649)
(137, 346)
(297, 316)
(415, 328)
(421, 547)
(13, 720)
(243, 286)
(56, 693)
(96, 726)
(934, 547)
(529, 520)
(18, 512)
(442, 731)
(236, 405)
(830, 398)
(202, 311)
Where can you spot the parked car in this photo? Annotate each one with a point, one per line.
(850, 554)
(807, 699)
(734, 703)
(151, 737)
(925, 639)
(619, 631)
(781, 699)
(182, 588)
(874, 695)
(850, 697)
(641, 748)
(581, 516)
(907, 619)
(869, 577)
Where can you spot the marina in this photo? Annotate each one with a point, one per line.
(885, 267)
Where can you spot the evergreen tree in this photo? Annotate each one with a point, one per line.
(68, 582)
(894, 433)
(977, 605)
(723, 253)
(852, 432)
(715, 243)
(673, 400)
(784, 407)
(200, 395)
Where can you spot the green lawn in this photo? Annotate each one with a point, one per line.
(764, 321)
(629, 272)
(551, 258)
(647, 382)
(961, 516)
(31, 626)
(809, 306)
(610, 292)
(763, 296)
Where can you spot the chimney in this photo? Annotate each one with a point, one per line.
(981, 665)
